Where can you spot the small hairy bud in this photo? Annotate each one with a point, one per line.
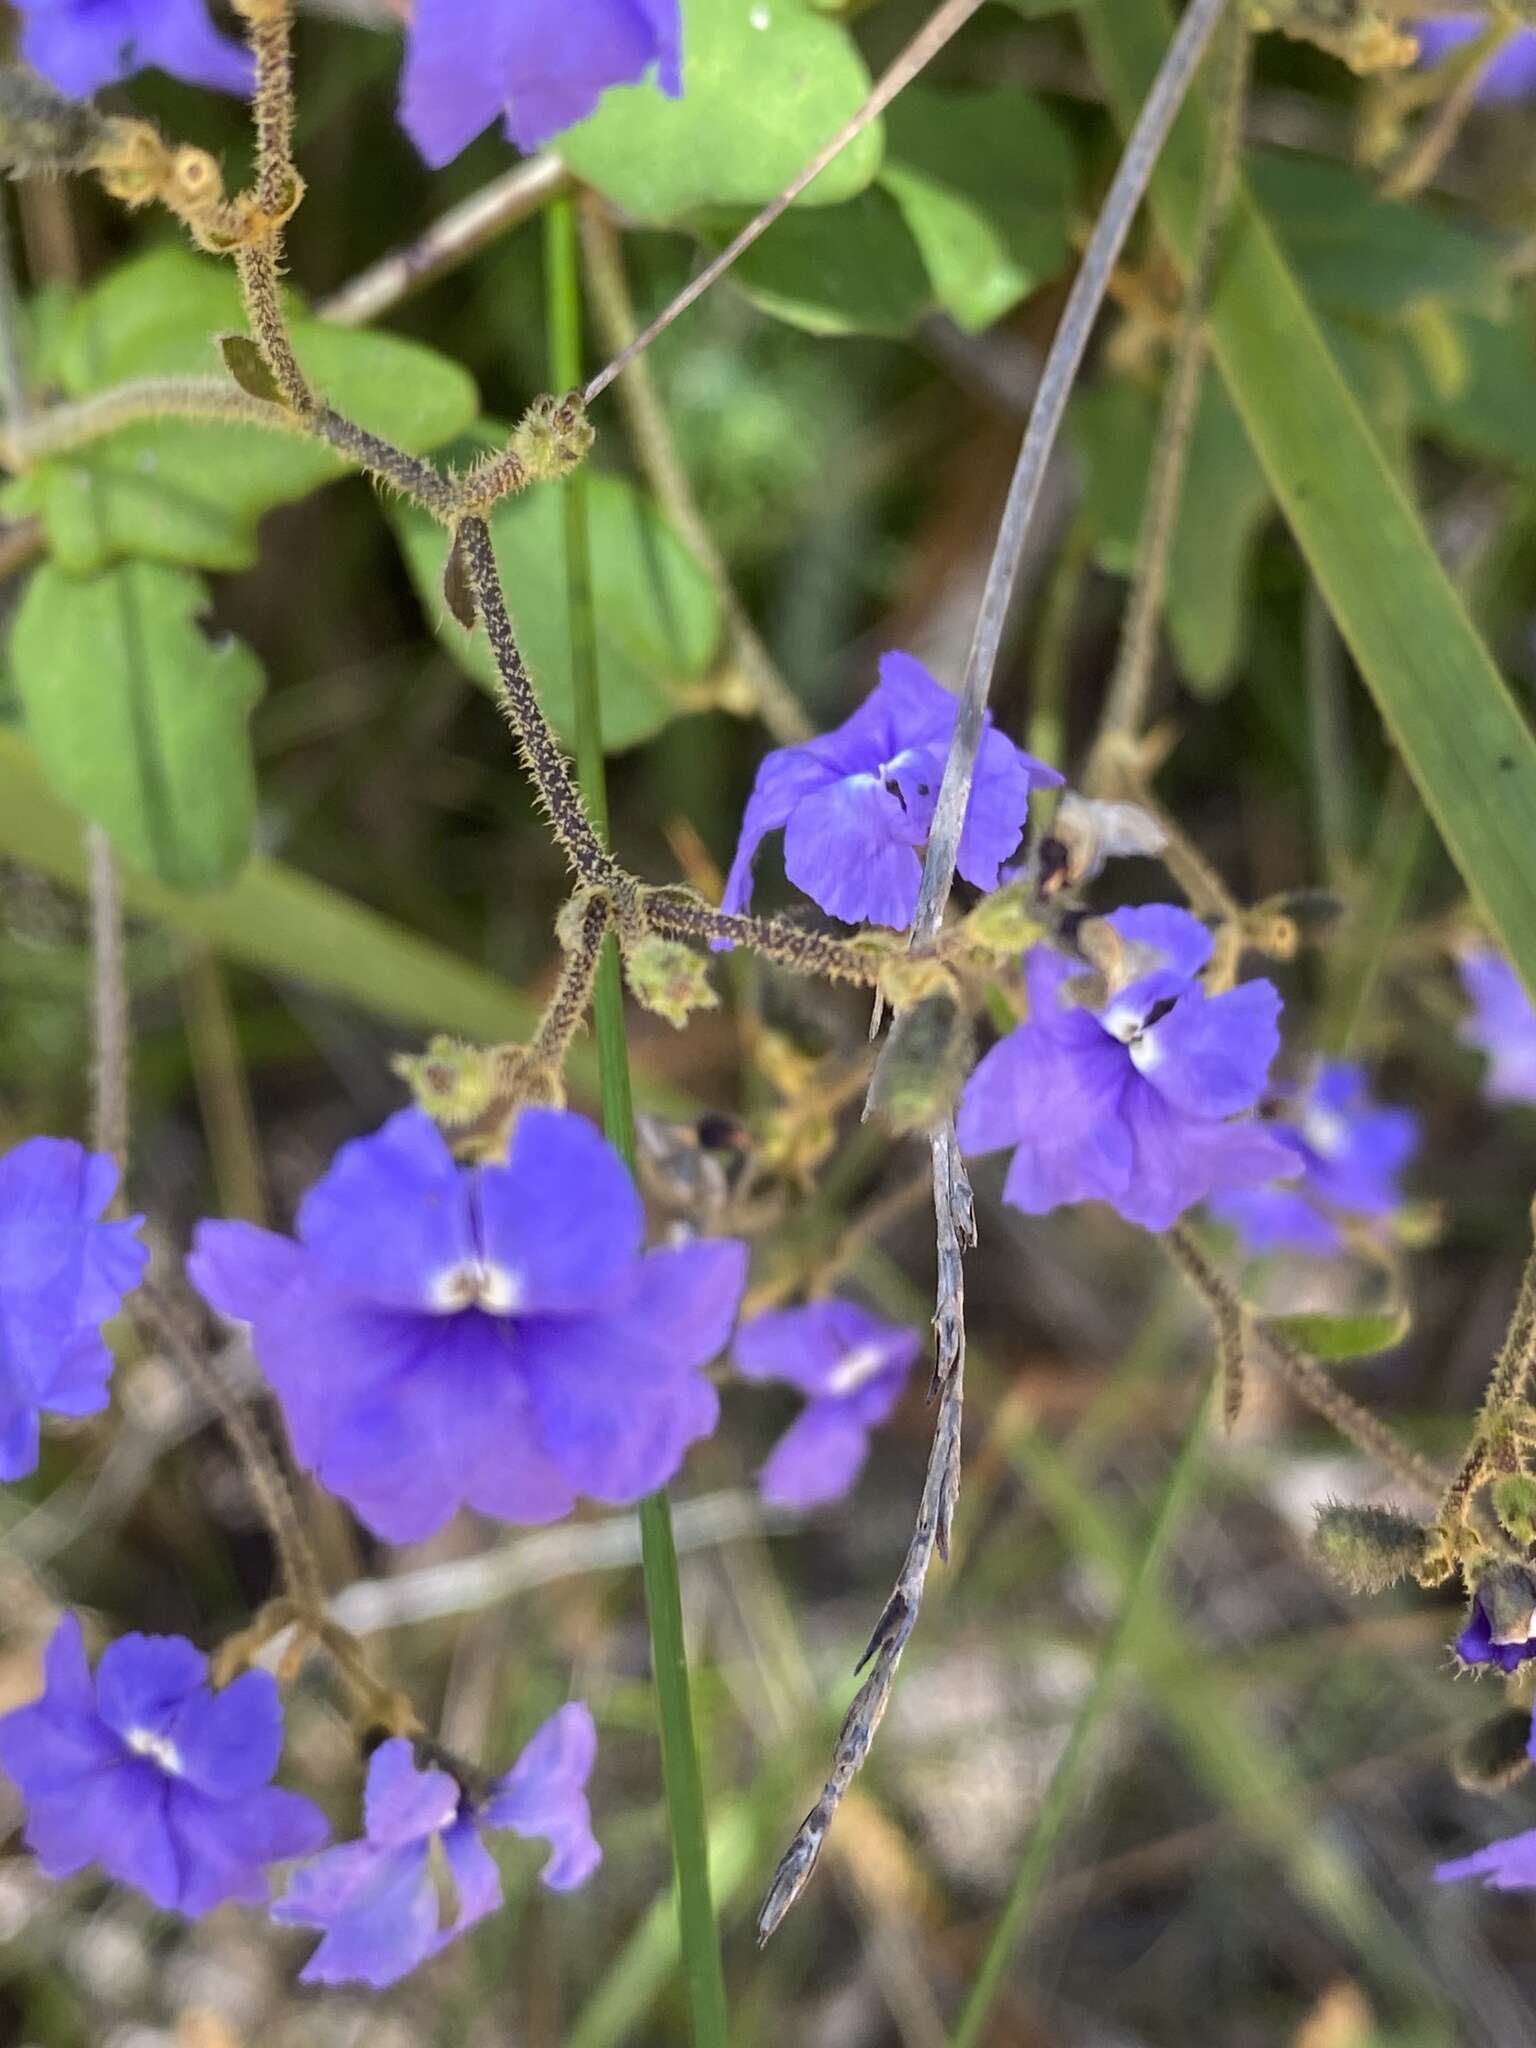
(1003, 925)
(1493, 1756)
(668, 979)
(42, 131)
(1367, 1549)
(923, 1063)
(454, 1082)
(552, 437)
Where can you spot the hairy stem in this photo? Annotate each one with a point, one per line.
(1303, 1375)
(1510, 1378)
(681, 1778)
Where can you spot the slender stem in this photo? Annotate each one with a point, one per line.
(112, 1047)
(1428, 151)
(1062, 1792)
(1180, 62)
(923, 48)
(451, 239)
(656, 451)
(223, 1093)
(663, 1590)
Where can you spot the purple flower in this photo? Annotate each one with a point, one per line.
(1130, 1104)
(147, 1772)
(1502, 1024)
(1507, 1866)
(82, 45)
(1499, 1628)
(494, 1335)
(852, 1366)
(1511, 75)
(1350, 1153)
(381, 1901)
(856, 805)
(539, 64)
(63, 1272)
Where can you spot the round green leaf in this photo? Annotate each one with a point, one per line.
(175, 490)
(1344, 1336)
(138, 719)
(852, 269)
(766, 83)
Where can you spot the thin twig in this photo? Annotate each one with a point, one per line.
(466, 1585)
(1428, 151)
(166, 1324)
(111, 1040)
(1126, 702)
(776, 704)
(1180, 62)
(1303, 1375)
(923, 48)
(954, 1209)
(453, 238)
(935, 1517)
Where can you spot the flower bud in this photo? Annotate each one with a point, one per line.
(1366, 1549)
(923, 1063)
(1496, 1754)
(668, 979)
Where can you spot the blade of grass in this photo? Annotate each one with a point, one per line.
(681, 1779)
(1450, 713)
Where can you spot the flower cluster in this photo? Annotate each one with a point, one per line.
(443, 1335)
(63, 1272)
(1132, 1102)
(1502, 1024)
(539, 65)
(147, 1772)
(379, 1901)
(856, 806)
(851, 1367)
(1350, 1154)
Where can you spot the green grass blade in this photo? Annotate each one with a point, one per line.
(1447, 708)
(682, 1779)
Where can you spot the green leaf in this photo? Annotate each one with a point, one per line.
(138, 718)
(175, 490)
(985, 180)
(1224, 504)
(852, 269)
(1372, 258)
(1343, 1336)
(658, 616)
(1479, 402)
(1447, 709)
(766, 83)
